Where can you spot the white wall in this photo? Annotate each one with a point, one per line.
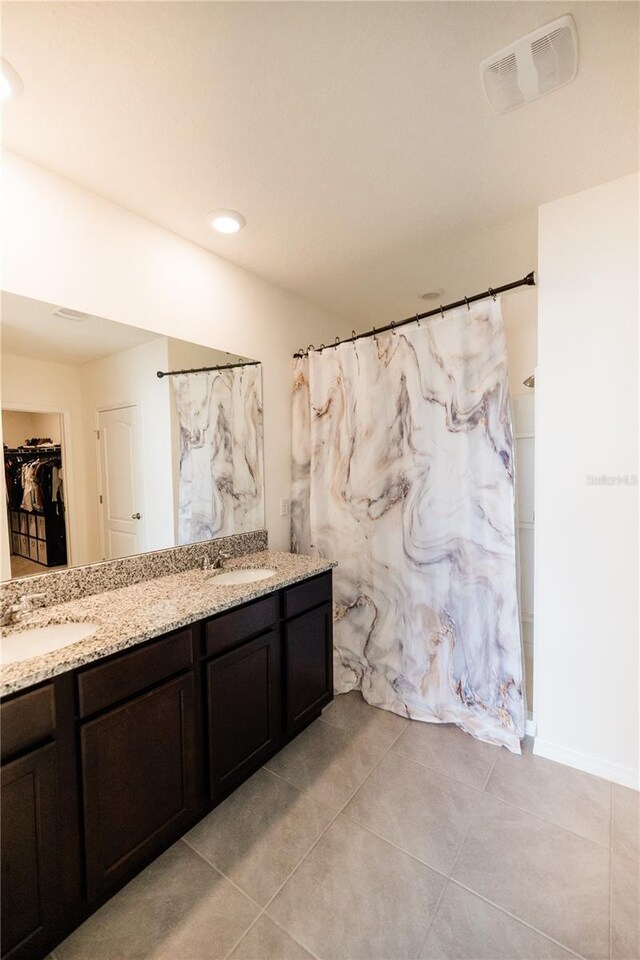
(587, 668)
(66, 245)
(20, 425)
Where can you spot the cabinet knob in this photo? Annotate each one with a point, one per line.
(136, 516)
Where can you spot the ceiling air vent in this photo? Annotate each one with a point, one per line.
(535, 65)
(67, 314)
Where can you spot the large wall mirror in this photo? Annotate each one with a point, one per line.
(106, 459)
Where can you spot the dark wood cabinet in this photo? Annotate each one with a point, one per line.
(30, 889)
(308, 652)
(138, 775)
(106, 765)
(244, 711)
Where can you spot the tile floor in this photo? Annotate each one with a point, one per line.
(374, 838)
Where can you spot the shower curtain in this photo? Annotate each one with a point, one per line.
(220, 490)
(403, 473)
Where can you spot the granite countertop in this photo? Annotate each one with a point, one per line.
(130, 615)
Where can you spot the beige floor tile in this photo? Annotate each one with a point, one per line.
(553, 879)
(355, 897)
(327, 762)
(467, 927)
(569, 797)
(266, 941)
(179, 907)
(625, 908)
(446, 748)
(421, 811)
(351, 712)
(258, 835)
(625, 827)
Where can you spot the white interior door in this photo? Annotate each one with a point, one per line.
(123, 532)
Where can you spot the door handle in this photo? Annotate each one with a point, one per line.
(136, 516)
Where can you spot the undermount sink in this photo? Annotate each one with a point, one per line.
(24, 644)
(232, 577)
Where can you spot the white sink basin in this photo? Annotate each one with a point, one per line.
(24, 644)
(241, 576)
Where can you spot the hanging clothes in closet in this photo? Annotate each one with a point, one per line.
(35, 504)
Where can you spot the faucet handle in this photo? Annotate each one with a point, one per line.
(30, 600)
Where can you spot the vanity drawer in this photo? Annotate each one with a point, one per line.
(232, 628)
(131, 672)
(27, 720)
(305, 595)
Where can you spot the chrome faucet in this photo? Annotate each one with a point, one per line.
(14, 612)
(218, 563)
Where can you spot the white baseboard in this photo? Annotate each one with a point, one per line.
(627, 776)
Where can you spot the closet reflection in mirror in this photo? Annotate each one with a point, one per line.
(103, 458)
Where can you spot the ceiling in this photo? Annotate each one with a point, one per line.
(354, 137)
(29, 328)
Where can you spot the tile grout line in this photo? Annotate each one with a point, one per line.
(475, 893)
(553, 823)
(427, 766)
(311, 848)
(483, 789)
(610, 870)
(457, 856)
(262, 909)
(221, 872)
(525, 923)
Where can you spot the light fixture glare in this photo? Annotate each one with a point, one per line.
(226, 221)
(10, 82)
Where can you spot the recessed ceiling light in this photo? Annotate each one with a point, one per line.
(10, 82)
(431, 294)
(226, 221)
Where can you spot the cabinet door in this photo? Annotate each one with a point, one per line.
(308, 666)
(139, 778)
(243, 692)
(30, 891)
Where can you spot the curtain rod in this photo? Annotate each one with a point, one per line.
(528, 281)
(223, 366)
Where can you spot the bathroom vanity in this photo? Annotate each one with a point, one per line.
(115, 746)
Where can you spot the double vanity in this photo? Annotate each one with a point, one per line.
(132, 712)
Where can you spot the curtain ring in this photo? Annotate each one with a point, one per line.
(467, 303)
(442, 311)
(353, 336)
(393, 327)
(310, 347)
(374, 334)
(321, 347)
(418, 319)
(493, 296)
(337, 342)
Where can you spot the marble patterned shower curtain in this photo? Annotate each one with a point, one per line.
(221, 485)
(403, 473)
